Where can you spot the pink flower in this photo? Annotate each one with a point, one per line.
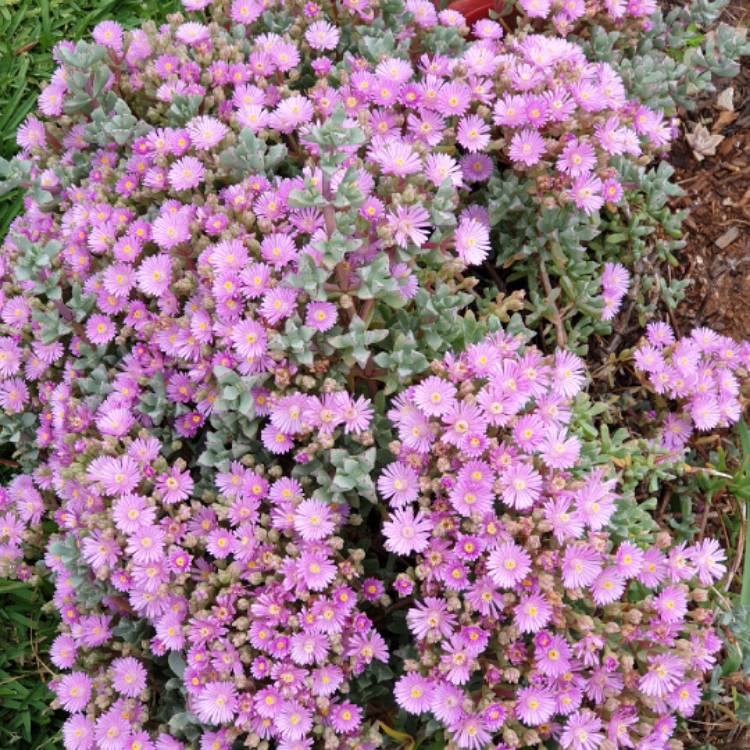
(206, 132)
(577, 158)
(472, 241)
(168, 231)
(508, 564)
(216, 703)
(582, 731)
(316, 570)
(581, 566)
(586, 193)
(321, 316)
(100, 329)
(406, 532)
(397, 158)
(312, 520)
(526, 147)
(521, 486)
(534, 706)
(186, 173)
(128, 676)
(74, 691)
(409, 224)
(413, 693)
(321, 35)
(708, 557)
(108, 34)
(293, 720)
(473, 133)
(78, 733)
(154, 275)
(175, 486)
(608, 587)
(671, 604)
(532, 613)
(398, 483)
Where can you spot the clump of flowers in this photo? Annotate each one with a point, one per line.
(252, 588)
(531, 621)
(21, 510)
(237, 229)
(703, 372)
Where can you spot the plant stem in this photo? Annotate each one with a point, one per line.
(745, 590)
(556, 319)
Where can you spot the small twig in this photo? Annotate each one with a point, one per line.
(562, 339)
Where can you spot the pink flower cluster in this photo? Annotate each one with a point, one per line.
(21, 510)
(530, 620)
(704, 372)
(565, 17)
(254, 587)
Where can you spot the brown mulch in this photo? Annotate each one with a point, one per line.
(717, 230)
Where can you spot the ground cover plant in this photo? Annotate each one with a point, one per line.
(327, 422)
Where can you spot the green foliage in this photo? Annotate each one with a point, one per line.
(26, 721)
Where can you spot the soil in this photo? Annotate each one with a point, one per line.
(717, 200)
(716, 261)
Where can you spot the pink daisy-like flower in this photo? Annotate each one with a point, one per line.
(316, 570)
(608, 587)
(708, 557)
(685, 697)
(526, 147)
(74, 691)
(170, 230)
(413, 693)
(100, 329)
(471, 732)
(117, 476)
(409, 224)
(206, 132)
(560, 451)
(175, 486)
(577, 158)
(406, 532)
(473, 133)
(78, 733)
(582, 731)
(508, 564)
(521, 486)
(321, 35)
(435, 396)
(671, 604)
(398, 483)
(244, 11)
(397, 158)
(346, 718)
(216, 703)
(312, 520)
(532, 613)
(108, 34)
(581, 566)
(586, 193)
(664, 673)
(293, 720)
(186, 173)
(534, 706)
(154, 275)
(128, 676)
(321, 316)
(472, 241)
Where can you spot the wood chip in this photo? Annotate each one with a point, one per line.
(727, 238)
